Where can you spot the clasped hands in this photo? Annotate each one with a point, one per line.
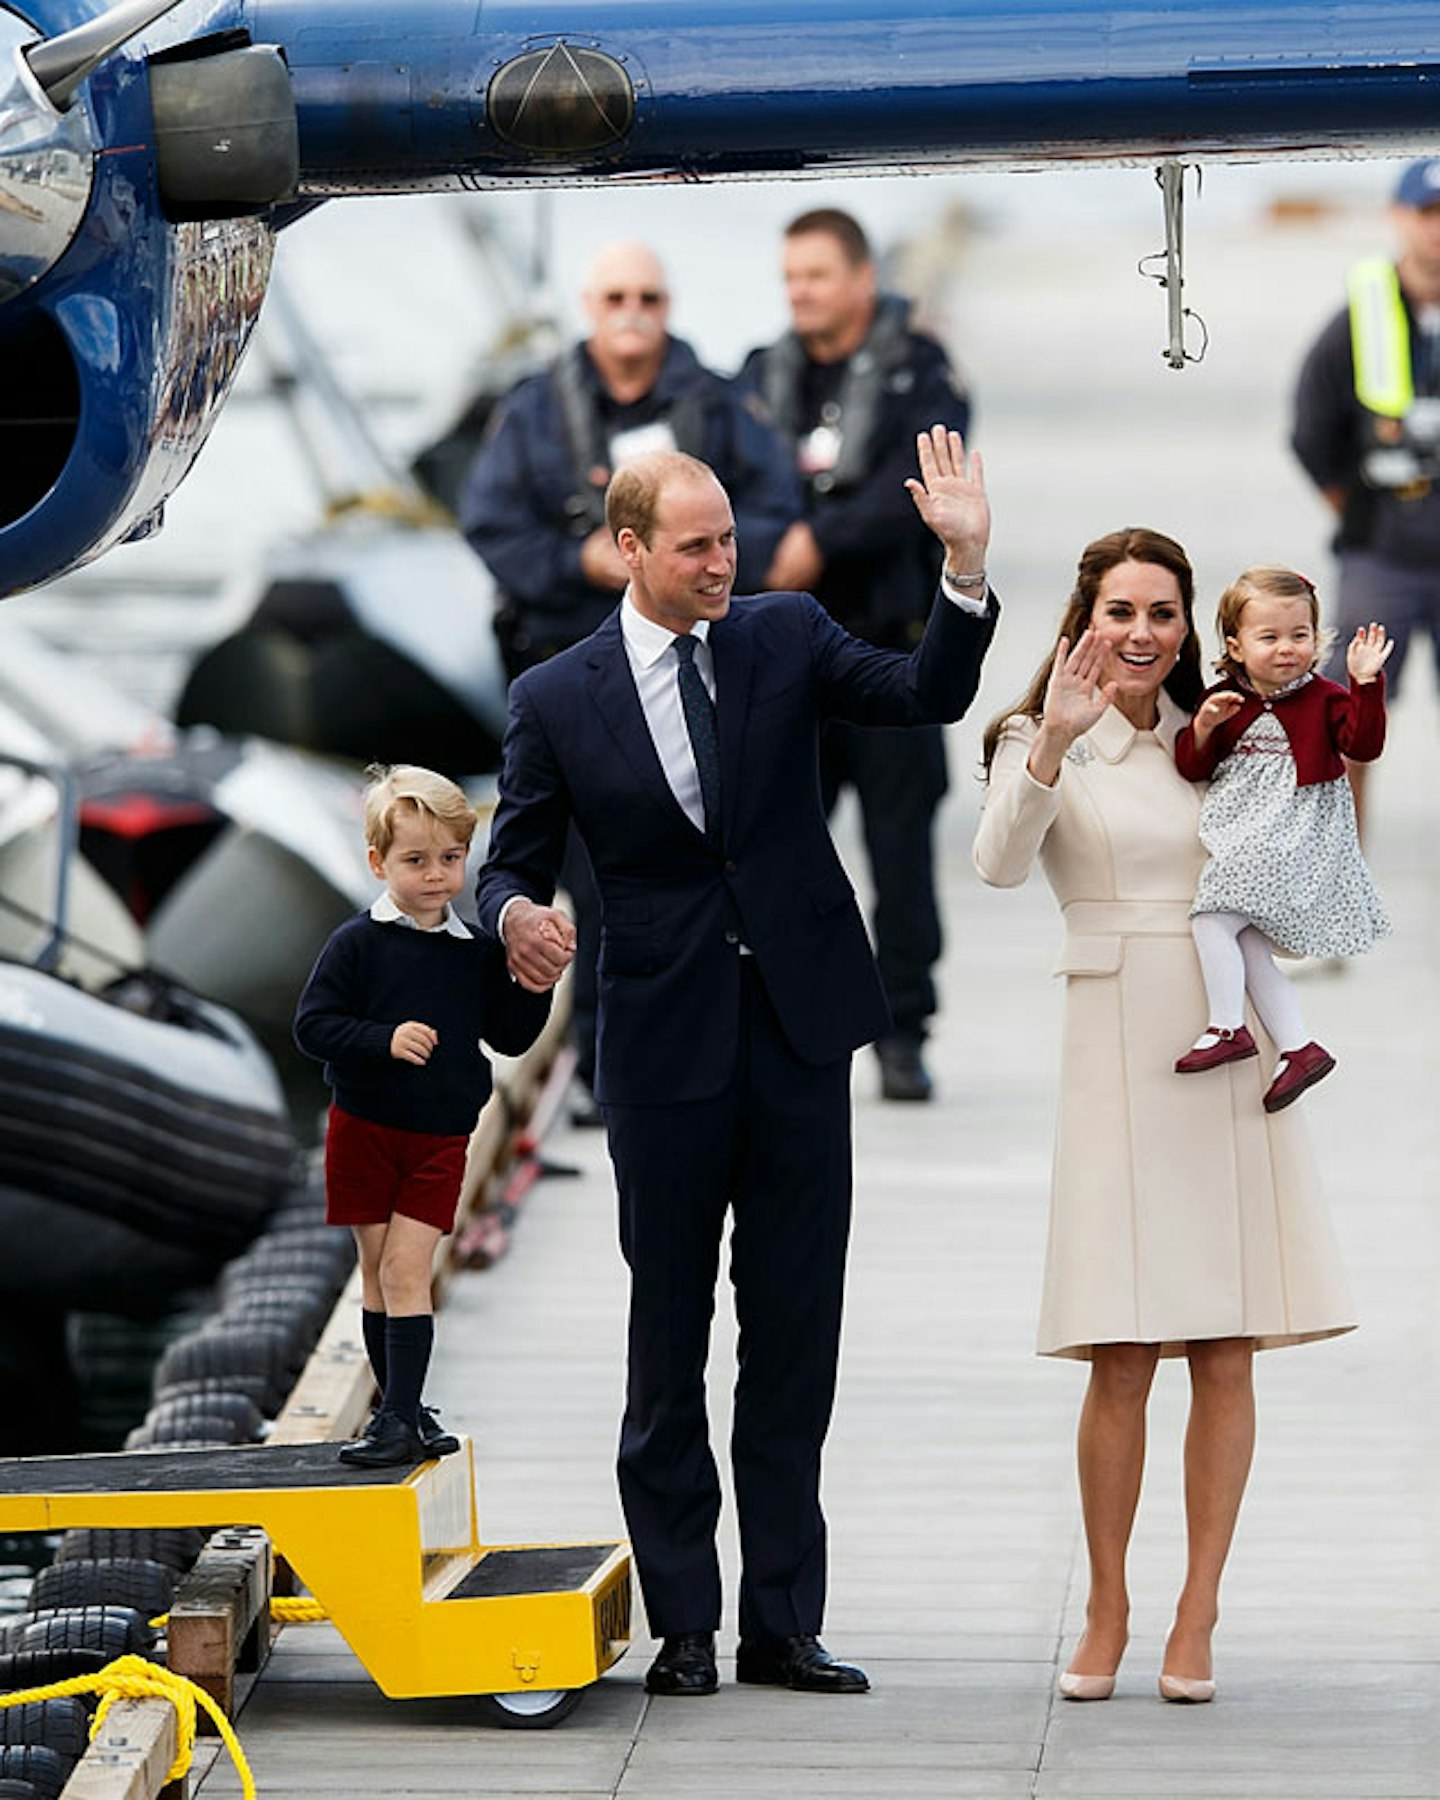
(539, 943)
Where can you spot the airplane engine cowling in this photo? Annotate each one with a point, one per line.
(113, 368)
(226, 141)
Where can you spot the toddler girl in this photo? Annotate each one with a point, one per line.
(1285, 866)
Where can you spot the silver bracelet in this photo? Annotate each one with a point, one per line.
(964, 580)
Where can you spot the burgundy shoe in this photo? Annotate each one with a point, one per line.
(1298, 1070)
(1234, 1046)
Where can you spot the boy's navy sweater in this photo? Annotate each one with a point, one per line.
(371, 977)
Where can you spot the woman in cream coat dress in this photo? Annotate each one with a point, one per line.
(1185, 1220)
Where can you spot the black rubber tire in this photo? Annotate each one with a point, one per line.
(12, 1788)
(529, 1711)
(63, 1724)
(207, 1433)
(148, 1587)
(176, 1546)
(311, 1296)
(37, 1764)
(238, 1411)
(329, 1264)
(257, 1358)
(279, 1312)
(111, 1630)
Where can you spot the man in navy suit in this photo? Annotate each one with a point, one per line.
(735, 981)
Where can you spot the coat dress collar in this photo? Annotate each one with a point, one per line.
(1112, 736)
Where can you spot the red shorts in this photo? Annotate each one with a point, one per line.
(374, 1171)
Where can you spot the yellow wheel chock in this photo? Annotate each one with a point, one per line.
(393, 1556)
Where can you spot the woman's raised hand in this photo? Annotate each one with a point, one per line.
(1075, 697)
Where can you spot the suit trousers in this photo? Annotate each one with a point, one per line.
(772, 1151)
(899, 778)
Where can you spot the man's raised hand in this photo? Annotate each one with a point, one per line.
(950, 497)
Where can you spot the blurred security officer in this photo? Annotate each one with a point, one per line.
(1367, 430)
(533, 504)
(851, 385)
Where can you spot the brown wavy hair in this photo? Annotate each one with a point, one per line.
(1134, 543)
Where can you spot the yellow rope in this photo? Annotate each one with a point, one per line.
(300, 1610)
(135, 1678)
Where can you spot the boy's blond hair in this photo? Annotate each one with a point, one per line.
(406, 788)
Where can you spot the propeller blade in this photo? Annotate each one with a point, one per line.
(62, 63)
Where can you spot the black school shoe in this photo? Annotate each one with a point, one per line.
(433, 1435)
(801, 1663)
(388, 1442)
(434, 1438)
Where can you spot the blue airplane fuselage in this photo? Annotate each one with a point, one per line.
(129, 287)
(737, 86)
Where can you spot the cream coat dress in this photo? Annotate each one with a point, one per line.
(1180, 1209)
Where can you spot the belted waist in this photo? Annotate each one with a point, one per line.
(1128, 918)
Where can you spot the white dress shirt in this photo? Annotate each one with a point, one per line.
(655, 669)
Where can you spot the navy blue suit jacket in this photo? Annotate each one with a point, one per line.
(674, 907)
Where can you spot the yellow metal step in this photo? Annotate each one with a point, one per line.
(393, 1555)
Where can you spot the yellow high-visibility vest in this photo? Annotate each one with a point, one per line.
(1380, 339)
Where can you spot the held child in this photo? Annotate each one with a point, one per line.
(395, 1008)
(1278, 820)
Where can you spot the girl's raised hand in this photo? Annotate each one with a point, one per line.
(1214, 711)
(1368, 652)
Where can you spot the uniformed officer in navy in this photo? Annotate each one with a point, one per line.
(851, 384)
(533, 503)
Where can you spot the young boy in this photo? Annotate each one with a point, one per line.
(395, 1008)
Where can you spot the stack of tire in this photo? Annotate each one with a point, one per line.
(91, 1605)
(217, 1384)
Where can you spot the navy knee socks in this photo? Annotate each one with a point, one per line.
(408, 1343)
(372, 1330)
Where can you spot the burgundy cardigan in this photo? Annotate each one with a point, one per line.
(1322, 720)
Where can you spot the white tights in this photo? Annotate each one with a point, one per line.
(1236, 959)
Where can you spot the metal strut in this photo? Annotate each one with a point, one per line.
(1170, 177)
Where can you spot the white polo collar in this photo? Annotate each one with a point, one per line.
(385, 912)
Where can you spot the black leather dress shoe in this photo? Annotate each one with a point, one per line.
(685, 1665)
(802, 1663)
(903, 1075)
(388, 1442)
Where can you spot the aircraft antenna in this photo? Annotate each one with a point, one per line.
(1170, 178)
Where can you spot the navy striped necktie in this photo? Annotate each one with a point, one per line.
(699, 710)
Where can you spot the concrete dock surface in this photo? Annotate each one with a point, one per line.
(957, 1568)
